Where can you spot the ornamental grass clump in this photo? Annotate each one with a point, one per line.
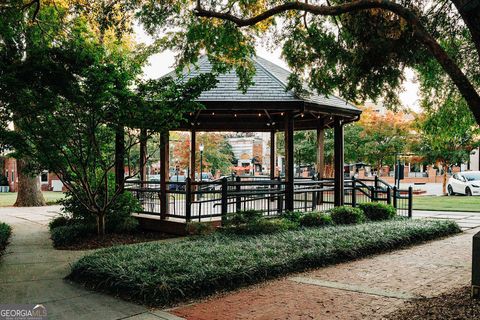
(162, 274)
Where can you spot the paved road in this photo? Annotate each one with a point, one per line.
(32, 272)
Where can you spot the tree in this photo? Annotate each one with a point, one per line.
(67, 97)
(384, 136)
(217, 154)
(443, 141)
(359, 48)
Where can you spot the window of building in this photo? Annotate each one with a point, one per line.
(44, 177)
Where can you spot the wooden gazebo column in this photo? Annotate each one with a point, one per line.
(193, 143)
(164, 173)
(339, 193)
(143, 156)
(272, 155)
(320, 152)
(289, 174)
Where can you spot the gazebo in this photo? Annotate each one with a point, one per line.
(267, 106)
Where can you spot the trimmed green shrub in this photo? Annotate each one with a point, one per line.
(59, 221)
(315, 219)
(376, 211)
(243, 217)
(5, 232)
(293, 216)
(346, 215)
(163, 274)
(70, 234)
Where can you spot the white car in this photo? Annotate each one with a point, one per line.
(467, 183)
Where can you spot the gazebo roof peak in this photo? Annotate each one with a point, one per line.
(269, 85)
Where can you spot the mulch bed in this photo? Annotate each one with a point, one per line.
(454, 305)
(109, 240)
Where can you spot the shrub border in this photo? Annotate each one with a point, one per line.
(149, 293)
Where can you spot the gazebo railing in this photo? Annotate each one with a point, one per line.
(200, 201)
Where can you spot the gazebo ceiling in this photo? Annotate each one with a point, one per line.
(264, 105)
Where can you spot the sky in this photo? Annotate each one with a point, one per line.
(162, 63)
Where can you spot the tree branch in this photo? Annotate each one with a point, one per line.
(451, 68)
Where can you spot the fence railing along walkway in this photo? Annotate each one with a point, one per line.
(199, 201)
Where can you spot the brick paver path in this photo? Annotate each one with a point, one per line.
(365, 289)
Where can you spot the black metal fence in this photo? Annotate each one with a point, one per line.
(197, 201)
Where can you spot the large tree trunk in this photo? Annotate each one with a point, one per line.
(29, 191)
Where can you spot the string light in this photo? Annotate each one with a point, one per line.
(259, 114)
(213, 113)
(281, 114)
(235, 115)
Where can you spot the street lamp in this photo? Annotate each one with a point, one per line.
(201, 160)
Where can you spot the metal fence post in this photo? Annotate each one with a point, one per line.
(395, 197)
(188, 199)
(476, 266)
(224, 199)
(238, 198)
(280, 196)
(314, 195)
(389, 196)
(372, 194)
(354, 192)
(410, 201)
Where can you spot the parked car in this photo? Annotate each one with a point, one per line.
(177, 178)
(467, 183)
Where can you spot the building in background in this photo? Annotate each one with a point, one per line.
(474, 164)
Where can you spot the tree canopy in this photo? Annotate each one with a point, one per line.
(359, 48)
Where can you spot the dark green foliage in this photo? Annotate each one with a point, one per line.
(293, 216)
(59, 221)
(253, 222)
(3, 180)
(243, 217)
(166, 273)
(70, 234)
(315, 219)
(5, 232)
(346, 215)
(376, 211)
(118, 217)
(264, 226)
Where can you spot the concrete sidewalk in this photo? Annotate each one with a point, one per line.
(466, 220)
(32, 272)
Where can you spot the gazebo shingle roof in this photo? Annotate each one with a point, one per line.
(270, 82)
(263, 106)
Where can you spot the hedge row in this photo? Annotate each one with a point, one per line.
(162, 274)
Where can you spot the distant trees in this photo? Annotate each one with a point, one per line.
(217, 154)
(447, 133)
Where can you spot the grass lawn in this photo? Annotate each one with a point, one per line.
(446, 203)
(7, 199)
(162, 274)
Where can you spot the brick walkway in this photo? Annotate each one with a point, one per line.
(365, 289)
